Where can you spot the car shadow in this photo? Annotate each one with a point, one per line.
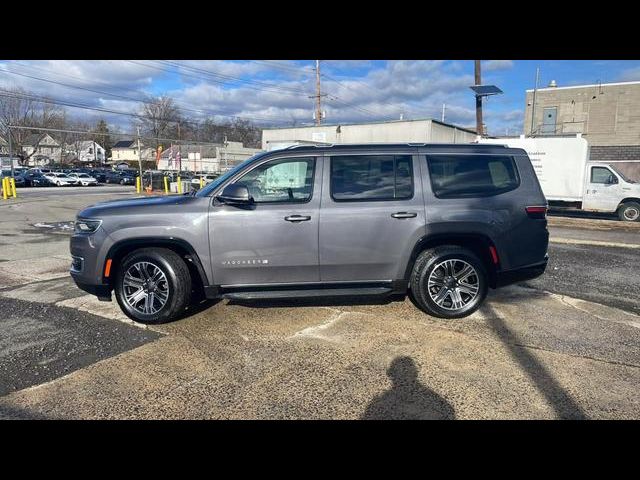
(559, 399)
(407, 399)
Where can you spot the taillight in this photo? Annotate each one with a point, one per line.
(537, 212)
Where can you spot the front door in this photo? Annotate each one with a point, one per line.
(275, 240)
(600, 194)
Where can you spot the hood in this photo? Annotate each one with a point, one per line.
(138, 205)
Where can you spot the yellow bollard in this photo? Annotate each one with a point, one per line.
(13, 186)
(4, 188)
(166, 185)
(138, 185)
(201, 182)
(179, 185)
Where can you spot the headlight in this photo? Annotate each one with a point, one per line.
(87, 226)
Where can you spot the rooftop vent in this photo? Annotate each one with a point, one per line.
(553, 83)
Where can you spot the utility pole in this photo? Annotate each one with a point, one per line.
(478, 80)
(533, 102)
(139, 156)
(10, 153)
(318, 95)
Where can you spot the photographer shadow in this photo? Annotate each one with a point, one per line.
(408, 399)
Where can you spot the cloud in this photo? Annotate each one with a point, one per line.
(270, 92)
(491, 65)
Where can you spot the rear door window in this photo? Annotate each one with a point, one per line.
(371, 177)
(462, 176)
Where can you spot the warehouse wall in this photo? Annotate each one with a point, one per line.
(417, 131)
(607, 115)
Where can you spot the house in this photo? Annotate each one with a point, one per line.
(213, 157)
(89, 151)
(42, 149)
(128, 150)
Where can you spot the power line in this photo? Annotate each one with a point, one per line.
(272, 89)
(232, 78)
(10, 94)
(402, 108)
(113, 134)
(144, 101)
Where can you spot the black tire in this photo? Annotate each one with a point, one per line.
(629, 212)
(427, 262)
(178, 280)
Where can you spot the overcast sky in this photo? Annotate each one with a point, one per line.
(276, 92)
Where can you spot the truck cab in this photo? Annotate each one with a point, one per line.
(608, 190)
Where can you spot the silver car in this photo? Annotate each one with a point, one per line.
(441, 223)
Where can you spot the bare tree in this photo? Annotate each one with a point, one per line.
(159, 114)
(19, 107)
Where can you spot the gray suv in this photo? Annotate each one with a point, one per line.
(439, 222)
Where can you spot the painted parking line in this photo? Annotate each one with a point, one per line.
(596, 243)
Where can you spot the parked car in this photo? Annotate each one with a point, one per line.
(84, 179)
(442, 223)
(61, 179)
(36, 180)
(120, 177)
(206, 179)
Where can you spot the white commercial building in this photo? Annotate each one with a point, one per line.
(214, 158)
(396, 131)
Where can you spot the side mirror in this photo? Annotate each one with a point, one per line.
(235, 194)
(612, 179)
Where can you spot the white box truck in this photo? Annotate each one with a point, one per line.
(569, 180)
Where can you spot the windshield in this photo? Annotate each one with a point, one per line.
(206, 191)
(624, 177)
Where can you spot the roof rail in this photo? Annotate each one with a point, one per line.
(291, 147)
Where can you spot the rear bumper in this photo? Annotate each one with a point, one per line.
(529, 272)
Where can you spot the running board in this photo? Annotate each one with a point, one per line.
(318, 292)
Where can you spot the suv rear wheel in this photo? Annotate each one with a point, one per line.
(448, 282)
(629, 212)
(153, 285)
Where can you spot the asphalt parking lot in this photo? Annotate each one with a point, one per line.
(565, 345)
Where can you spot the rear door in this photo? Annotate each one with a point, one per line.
(371, 217)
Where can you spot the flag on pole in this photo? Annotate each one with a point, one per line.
(158, 154)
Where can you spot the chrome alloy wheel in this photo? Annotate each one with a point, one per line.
(453, 284)
(145, 288)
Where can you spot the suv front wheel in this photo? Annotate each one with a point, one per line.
(448, 282)
(153, 285)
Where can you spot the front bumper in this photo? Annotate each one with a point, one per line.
(518, 275)
(103, 292)
(88, 254)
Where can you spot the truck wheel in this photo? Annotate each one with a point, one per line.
(448, 282)
(629, 212)
(153, 285)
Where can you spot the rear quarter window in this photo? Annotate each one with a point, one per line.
(463, 176)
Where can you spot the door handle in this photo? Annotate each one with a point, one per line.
(297, 218)
(404, 215)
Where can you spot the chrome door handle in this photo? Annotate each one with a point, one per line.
(404, 215)
(297, 218)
